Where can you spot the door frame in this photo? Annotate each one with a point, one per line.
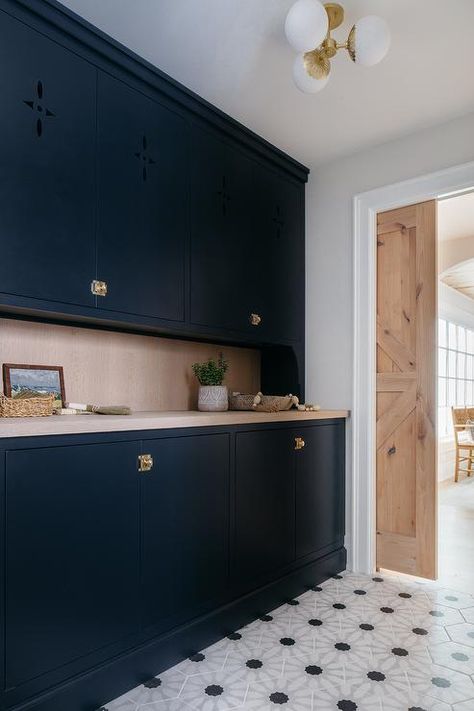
(365, 208)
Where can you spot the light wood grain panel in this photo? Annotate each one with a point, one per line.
(395, 415)
(396, 552)
(105, 367)
(426, 454)
(393, 347)
(395, 382)
(406, 336)
(396, 460)
(403, 216)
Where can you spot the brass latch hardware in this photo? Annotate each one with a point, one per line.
(145, 462)
(299, 443)
(99, 288)
(255, 319)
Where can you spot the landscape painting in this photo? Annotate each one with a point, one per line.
(23, 381)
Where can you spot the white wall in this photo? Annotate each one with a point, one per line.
(329, 242)
(329, 296)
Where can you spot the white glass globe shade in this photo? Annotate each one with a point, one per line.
(303, 80)
(306, 25)
(371, 40)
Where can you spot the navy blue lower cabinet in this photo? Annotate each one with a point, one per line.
(264, 538)
(185, 527)
(319, 487)
(113, 574)
(72, 554)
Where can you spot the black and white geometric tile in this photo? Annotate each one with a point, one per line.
(353, 643)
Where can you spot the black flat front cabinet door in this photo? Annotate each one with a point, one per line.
(278, 231)
(143, 203)
(72, 554)
(320, 488)
(185, 527)
(223, 268)
(47, 190)
(264, 504)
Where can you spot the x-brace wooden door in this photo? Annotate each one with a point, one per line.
(406, 390)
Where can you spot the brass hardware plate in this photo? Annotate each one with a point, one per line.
(335, 14)
(145, 462)
(255, 319)
(299, 443)
(99, 288)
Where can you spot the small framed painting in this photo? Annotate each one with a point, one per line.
(21, 381)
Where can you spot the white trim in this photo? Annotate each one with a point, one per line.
(366, 205)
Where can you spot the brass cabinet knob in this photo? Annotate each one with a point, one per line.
(99, 288)
(299, 443)
(145, 462)
(255, 319)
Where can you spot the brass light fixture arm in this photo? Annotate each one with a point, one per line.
(317, 60)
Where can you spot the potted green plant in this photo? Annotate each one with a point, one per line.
(213, 395)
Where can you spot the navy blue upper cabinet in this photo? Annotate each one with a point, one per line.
(223, 270)
(320, 488)
(185, 527)
(264, 504)
(112, 173)
(72, 554)
(143, 203)
(47, 159)
(278, 237)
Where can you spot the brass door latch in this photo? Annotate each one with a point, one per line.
(145, 462)
(99, 288)
(299, 443)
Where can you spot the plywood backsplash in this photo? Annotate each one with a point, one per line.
(104, 367)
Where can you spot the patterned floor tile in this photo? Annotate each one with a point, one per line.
(288, 694)
(439, 615)
(404, 659)
(259, 666)
(442, 683)
(413, 702)
(463, 633)
(165, 686)
(123, 703)
(205, 662)
(454, 656)
(167, 705)
(353, 643)
(468, 614)
(345, 699)
(215, 692)
(315, 670)
(450, 598)
(464, 706)
(411, 637)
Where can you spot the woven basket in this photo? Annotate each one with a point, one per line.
(275, 403)
(240, 401)
(267, 403)
(26, 407)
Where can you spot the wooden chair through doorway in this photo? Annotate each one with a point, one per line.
(463, 431)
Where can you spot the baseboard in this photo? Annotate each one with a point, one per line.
(92, 690)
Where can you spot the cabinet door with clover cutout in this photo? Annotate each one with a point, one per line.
(47, 188)
(142, 203)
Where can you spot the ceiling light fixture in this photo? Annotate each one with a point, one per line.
(308, 28)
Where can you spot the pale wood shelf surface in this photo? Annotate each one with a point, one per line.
(80, 424)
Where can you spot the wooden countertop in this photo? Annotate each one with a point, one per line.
(79, 424)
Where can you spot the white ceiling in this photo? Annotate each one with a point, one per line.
(456, 217)
(234, 54)
(461, 278)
